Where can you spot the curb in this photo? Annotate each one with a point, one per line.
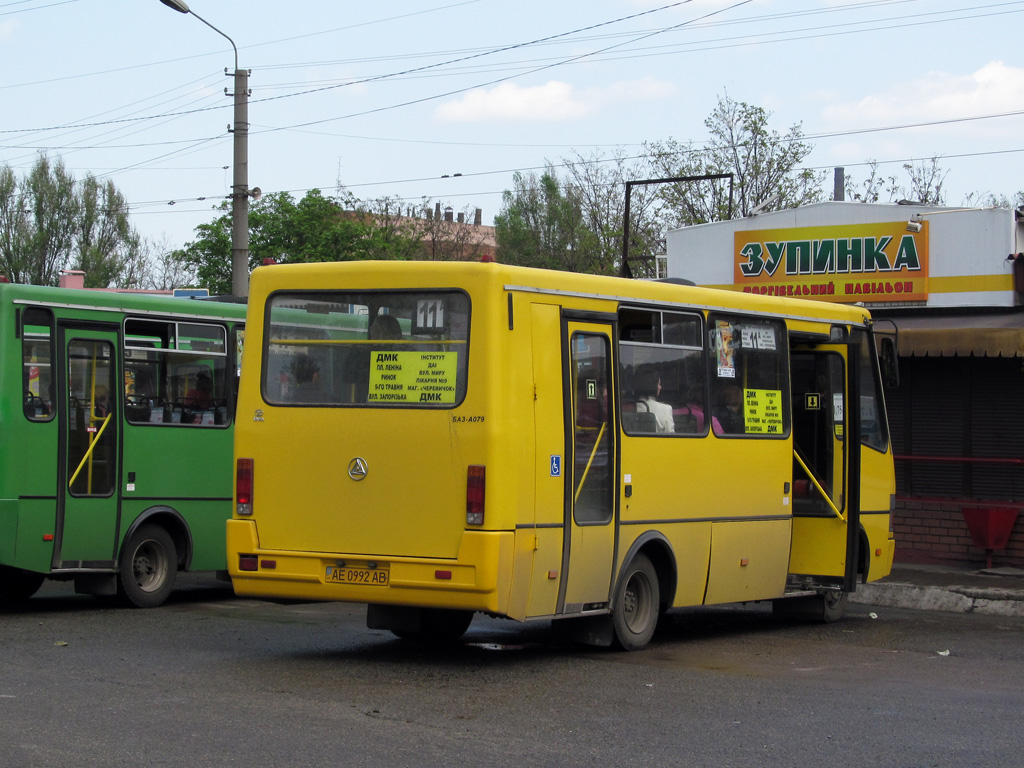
(954, 599)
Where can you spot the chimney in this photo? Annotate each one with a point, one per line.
(478, 217)
(449, 214)
(72, 278)
(462, 218)
(839, 192)
(437, 211)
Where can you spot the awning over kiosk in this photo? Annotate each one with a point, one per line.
(981, 335)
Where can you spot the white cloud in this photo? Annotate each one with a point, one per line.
(993, 89)
(555, 101)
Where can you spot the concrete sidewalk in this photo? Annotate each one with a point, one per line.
(995, 591)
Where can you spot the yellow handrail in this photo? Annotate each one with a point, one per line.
(817, 485)
(88, 453)
(590, 460)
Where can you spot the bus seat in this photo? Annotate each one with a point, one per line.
(686, 423)
(639, 422)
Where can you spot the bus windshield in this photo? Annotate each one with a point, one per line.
(366, 348)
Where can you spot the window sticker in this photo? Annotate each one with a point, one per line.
(413, 377)
(757, 337)
(762, 411)
(726, 352)
(430, 315)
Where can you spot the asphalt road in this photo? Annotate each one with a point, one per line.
(211, 680)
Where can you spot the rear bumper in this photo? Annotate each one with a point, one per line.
(476, 580)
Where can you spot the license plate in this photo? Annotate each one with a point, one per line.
(370, 577)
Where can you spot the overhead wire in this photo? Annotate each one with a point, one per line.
(193, 145)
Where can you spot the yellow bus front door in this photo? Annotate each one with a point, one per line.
(589, 541)
(821, 500)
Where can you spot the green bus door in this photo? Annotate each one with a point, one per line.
(87, 513)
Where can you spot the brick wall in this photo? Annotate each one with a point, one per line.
(936, 533)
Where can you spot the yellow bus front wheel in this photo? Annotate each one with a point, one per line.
(635, 607)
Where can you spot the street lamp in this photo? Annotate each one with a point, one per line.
(240, 182)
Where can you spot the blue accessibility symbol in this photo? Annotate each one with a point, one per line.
(556, 465)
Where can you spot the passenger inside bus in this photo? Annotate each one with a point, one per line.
(728, 412)
(306, 371)
(648, 387)
(690, 417)
(200, 397)
(385, 327)
(356, 372)
(101, 405)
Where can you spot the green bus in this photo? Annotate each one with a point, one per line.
(117, 449)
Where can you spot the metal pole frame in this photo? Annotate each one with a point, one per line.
(624, 269)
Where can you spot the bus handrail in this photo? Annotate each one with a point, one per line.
(88, 453)
(818, 485)
(590, 460)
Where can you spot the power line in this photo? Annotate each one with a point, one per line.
(34, 8)
(726, 43)
(564, 164)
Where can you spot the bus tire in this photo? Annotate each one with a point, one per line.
(438, 626)
(17, 585)
(833, 606)
(148, 567)
(636, 605)
(825, 608)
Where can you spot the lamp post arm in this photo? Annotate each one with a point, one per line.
(233, 47)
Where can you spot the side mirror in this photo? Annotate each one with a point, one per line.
(888, 360)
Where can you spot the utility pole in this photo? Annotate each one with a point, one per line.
(240, 175)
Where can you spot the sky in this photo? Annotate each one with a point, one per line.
(447, 99)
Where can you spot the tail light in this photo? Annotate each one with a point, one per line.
(475, 483)
(243, 487)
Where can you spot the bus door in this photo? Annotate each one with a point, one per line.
(87, 513)
(825, 471)
(590, 531)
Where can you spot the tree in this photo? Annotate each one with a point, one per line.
(924, 185)
(600, 185)
(990, 200)
(765, 166)
(873, 188)
(159, 270)
(208, 257)
(50, 222)
(107, 247)
(926, 180)
(541, 224)
(577, 222)
(316, 228)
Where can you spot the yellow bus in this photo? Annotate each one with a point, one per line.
(437, 439)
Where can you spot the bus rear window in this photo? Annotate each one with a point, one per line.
(369, 349)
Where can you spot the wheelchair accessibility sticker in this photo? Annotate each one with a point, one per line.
(556, 465)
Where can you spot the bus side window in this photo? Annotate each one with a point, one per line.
(37, 354)
(177, 373)
(748, 366)
(661, 369)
